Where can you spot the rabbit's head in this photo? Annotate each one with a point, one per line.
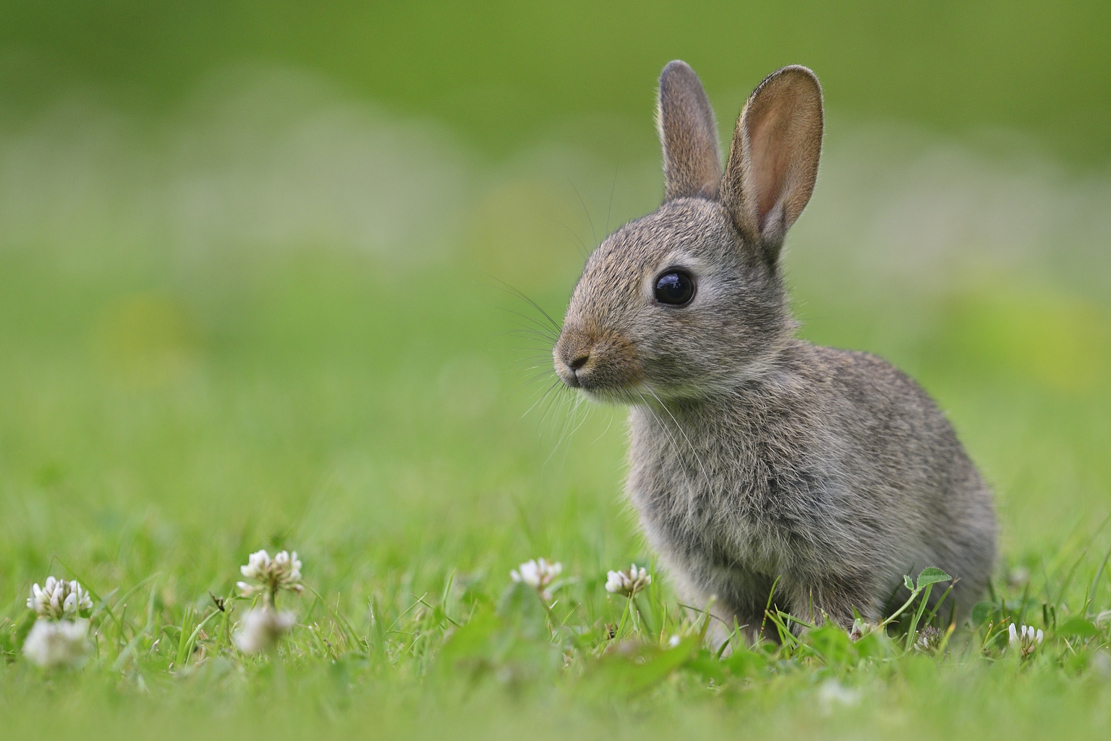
(688, 301)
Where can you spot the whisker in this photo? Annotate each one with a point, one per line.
(585, 406)
(536, 378)
(586, 414)
(541, 360)
(681, 432)
(593, 234)
(548, 331)
(542, 397)
(535, 362)
(608, 425)
(521, 295)
(531, 335)
(667, 432)
(563, 431)
(609, 208)
(670, 440)
(582, 245)
(536, 355)
(531, 325)
(551, 401)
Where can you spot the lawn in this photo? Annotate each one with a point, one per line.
(272, 315)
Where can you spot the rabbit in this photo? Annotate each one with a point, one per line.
(765, 470)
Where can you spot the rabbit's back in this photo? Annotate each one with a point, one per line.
(834, 472)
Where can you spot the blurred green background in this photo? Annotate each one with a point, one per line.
(251, 254)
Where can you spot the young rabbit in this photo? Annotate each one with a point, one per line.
(756, 456)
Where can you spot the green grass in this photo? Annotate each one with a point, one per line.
(377, 428)
(274, 319)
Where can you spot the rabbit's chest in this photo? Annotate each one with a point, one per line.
(725, 503)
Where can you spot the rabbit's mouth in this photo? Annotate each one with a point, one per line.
(604, 365)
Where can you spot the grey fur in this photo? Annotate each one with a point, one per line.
(756, 456)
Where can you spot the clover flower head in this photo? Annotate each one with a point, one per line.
(58, 599)
(538, 574)
(271, 575)
(1025, 640)
(928, 639)
(57, 643)
(1019, 576)
(832, 693)
(861, 628)
(262, 628)
(1101, 662)
(628, 582)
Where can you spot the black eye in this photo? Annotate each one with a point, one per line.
(675, 287)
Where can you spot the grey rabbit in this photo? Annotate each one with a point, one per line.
(757, 458)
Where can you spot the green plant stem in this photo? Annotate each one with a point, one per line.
(918, 616)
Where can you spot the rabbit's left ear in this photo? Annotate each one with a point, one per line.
(773, 161)
(692, 160)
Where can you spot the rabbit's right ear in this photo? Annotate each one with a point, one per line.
(692, 160)
(773, 161)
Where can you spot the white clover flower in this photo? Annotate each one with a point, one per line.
(271, 575)
(861, 628)
(58, 599)
(1025, 640)
(627, 583)
(1101, 663)
(52, 644)
(262, 628)
(928, 639)
(832, 693)
(538, 574)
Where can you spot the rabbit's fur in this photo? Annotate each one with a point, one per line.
(755, 456)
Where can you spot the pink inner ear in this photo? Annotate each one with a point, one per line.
(769, 158)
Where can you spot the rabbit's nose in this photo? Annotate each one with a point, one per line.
(572, 362)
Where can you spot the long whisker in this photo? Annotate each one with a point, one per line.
(536, 378)
(608, 425)
(648, 406)
(519, 294)
(609, 208)
(583, 250)
(541, 359)
(537, 357)
(547, 393)
(546, 330)
(551, 400)
(529, 333)
(581, 410)
(683, 433)
(593, 234)
(670, 441)
(563, 430)
(586, 413)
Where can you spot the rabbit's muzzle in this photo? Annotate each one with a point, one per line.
(601, 362)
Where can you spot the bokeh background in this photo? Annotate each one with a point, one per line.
(252, 258)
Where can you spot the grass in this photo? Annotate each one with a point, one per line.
(181, 387)
(409, 506)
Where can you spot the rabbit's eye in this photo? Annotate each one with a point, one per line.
(675, 287)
